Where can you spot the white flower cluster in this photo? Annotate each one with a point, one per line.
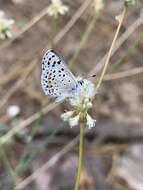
(5, 26)
(57, 8)
(13, 110)
(81, 102)
(98, 5)
(130, 2)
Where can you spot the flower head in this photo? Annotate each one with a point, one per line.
(130, 2)
(81, 102)
(13, 110)
(71, 117)
(98, 5)
(56, 8)
(90, 122)
(5, 26)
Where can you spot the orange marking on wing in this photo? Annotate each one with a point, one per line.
(49, 84)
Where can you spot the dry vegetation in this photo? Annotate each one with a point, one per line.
(38, 151)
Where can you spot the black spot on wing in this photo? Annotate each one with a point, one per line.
(59, 62)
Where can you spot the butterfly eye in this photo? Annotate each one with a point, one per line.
(80, 82)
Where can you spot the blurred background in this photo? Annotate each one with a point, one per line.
(38, 151)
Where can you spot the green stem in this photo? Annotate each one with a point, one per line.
(80, 160)
(111, 49)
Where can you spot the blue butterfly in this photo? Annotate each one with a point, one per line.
(56, 79)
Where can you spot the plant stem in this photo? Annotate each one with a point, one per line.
(80, 160)
(111, 48)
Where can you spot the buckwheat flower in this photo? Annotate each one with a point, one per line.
(5, 26)
(71, 117)
(1, 13)
(73, 121)
(67, 115)
(81, 103)
(57, 8)
(90, 122)
(98, 5)
(13, 110)
(18, 1)
(130, 2)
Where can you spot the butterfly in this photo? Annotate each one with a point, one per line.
(57, 81)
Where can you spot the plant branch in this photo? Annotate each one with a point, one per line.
(111, 49)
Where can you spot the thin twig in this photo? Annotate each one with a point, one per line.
(111, 49)
(124, 74)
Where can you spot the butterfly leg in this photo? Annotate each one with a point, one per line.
(60, 99)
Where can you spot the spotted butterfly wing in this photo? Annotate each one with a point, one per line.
(56, 79)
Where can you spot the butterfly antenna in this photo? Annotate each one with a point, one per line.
(92, 76)
(88, 77)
